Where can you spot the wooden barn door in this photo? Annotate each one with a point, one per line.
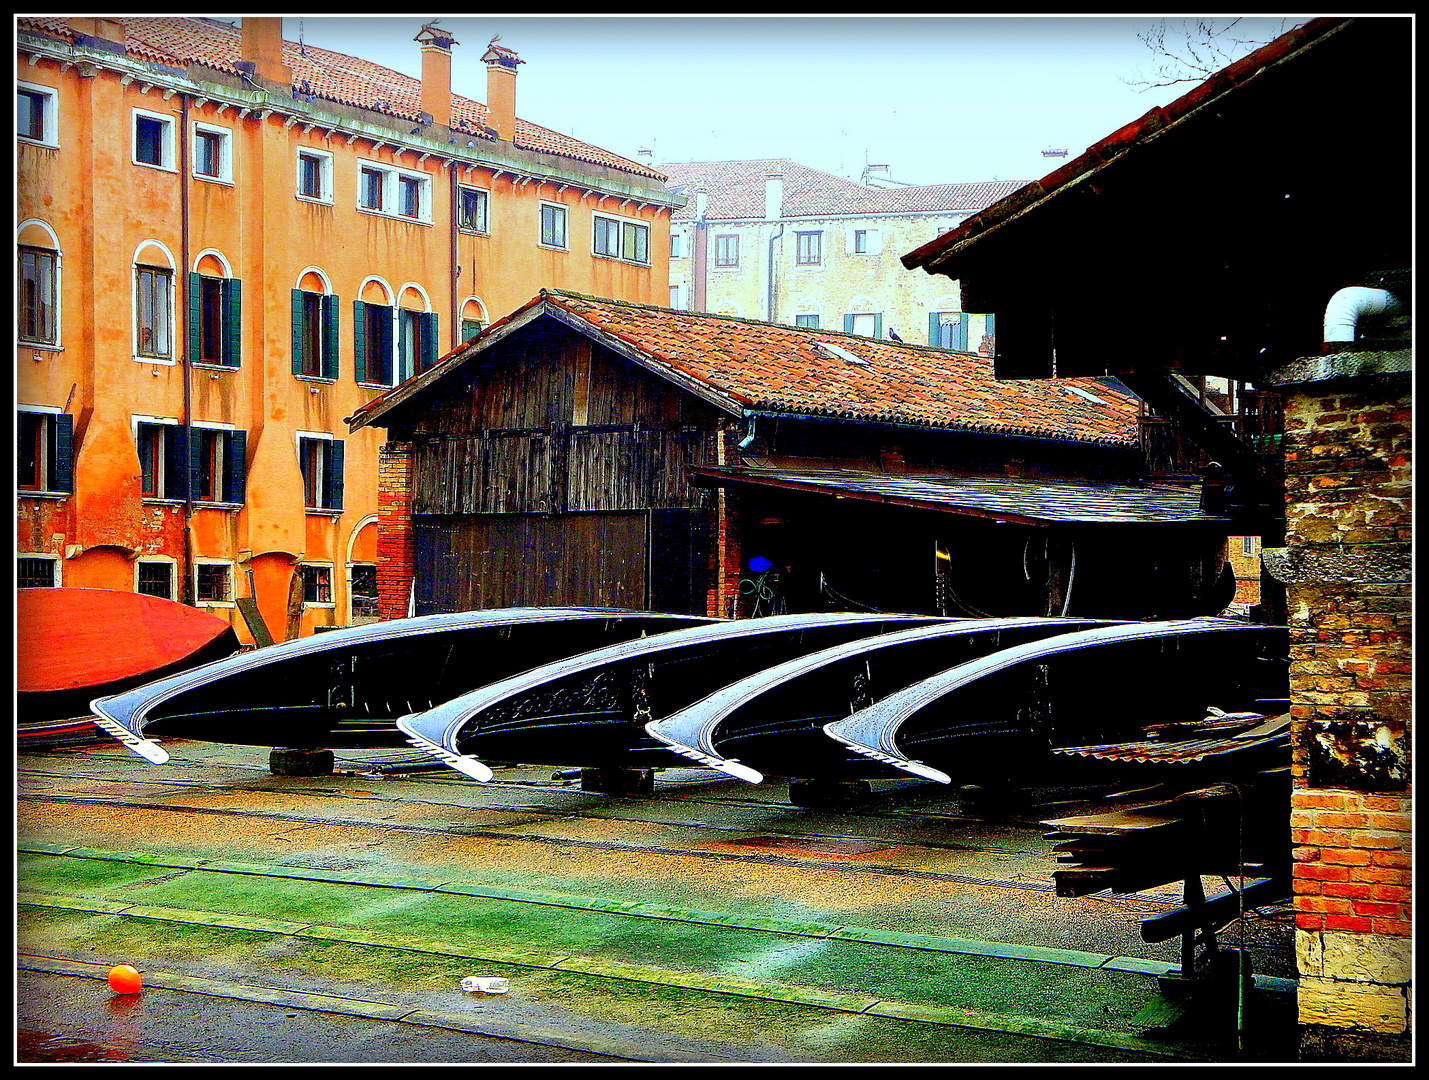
(530, 560)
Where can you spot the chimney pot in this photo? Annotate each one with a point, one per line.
(501, 90)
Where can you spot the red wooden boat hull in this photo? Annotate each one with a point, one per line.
(73, 645)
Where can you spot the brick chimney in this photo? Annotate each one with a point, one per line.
(263, 48)
(501, 89)
(436, 73)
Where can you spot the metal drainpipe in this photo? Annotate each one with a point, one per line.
(777, 236)
(186, 421)
(456, 261)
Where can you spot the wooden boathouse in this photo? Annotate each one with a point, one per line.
(600, 452)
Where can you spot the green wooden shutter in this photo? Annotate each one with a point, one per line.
(933, 327)
(990, 332)
(332, 476)
(235, 466)
(848, 324)
(176, 462)
(469, 329)
(62, 467)
(429, 322)
(329, 310)
(299, 337)
(359, 340)
(194, 304)
(233, 322)
(878, 325)
(196, 456)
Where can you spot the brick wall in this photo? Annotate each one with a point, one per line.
(396, 562)
(1346, 568)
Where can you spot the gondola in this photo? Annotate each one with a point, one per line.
(590, 710)
(345, 688)
(995, 716)
(73, 645)
(771, 723)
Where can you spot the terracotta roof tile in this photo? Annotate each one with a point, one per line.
(332, 76)
(736, 190)
(766, 366)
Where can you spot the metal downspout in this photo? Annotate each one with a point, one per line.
(177, 323)
(769, 317)
(456, 338)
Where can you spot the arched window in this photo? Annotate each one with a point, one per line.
(153, 303)
(314, 327)
(373, 320)
(37, 281)
(416, 333)
(473, 318)
(214, 313)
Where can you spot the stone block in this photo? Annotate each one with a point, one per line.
(1362, 1006)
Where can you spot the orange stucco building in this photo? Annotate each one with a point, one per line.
(228, 243)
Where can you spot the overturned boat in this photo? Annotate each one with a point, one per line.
(772, 722)
(73, 645)
(346, 688)
(590, 710)
(992, 717)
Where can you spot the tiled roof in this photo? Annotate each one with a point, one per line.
(736, 190)
(1133, 135)
(759, 366)
(332, 76)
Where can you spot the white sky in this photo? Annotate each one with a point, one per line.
(940, 99)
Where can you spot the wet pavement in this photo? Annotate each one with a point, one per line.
(329, 919)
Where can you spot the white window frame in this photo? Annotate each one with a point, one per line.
(798, 244)
(324, 437)
(390, 192)
(49, 116)
(225, 152)
(224, 448)
(484, 228)
(55, 561)
(873, 241)
(139, 357)
(324, 159)
(169, 162)
(135, 422)
(621, 235)
(230, 590)
(330, 605)
(44, 490)
(58, 297)
(160, 560)
(565, 217)
(677, 244)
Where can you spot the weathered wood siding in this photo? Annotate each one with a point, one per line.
(555, 472)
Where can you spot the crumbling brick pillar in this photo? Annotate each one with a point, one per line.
(1346, 566)
(396, 561)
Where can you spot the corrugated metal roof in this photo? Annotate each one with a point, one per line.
(1009, 499)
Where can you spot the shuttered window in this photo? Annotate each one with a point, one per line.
(44, 455)
(215, 321)
(372, 343)
(321, 461)
(207, 465)
(416, 343)
(948, 330)
(314, 335)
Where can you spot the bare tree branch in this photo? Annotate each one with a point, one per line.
(1192, 50)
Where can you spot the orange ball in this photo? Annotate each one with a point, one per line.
(124, 979)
